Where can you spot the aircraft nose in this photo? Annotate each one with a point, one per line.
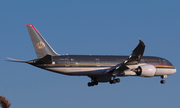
(173, 71)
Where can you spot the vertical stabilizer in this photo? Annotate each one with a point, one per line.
(41, 47)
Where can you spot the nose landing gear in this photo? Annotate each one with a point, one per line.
(162, 81)
(162, 77)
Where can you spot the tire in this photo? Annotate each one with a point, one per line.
(114, 81)
(162, 81)
(95, 83)
(111, 81)
(117, 80)
(89, 84)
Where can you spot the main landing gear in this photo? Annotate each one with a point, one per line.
(93, 82)
(114, 81)
(162, 77)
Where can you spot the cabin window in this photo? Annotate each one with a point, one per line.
(164, 62)
(142, 61)
(67, 63)
(97, 62)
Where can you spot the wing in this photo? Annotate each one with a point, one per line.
(133, 59)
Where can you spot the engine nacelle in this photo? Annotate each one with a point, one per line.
(146, 71)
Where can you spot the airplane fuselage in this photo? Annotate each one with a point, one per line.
(90, 65)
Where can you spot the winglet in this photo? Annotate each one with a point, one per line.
(139, 50)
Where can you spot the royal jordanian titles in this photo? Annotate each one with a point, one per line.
(98, 68)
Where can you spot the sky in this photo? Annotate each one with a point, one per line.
(83, 27)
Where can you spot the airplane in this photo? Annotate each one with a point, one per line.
(99, 68)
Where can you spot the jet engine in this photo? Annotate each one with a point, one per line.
(145, 71)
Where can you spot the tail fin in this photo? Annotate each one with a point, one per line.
(41, 47)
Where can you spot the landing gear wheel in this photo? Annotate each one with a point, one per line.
(89, 84)
(117, 80)
(162, 77)
(114, 81)
(111, 81)
(92, 83)
(95, 83)
(162, 81)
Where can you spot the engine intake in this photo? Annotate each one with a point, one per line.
(146, 71)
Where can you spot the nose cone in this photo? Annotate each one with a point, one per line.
(173, 71)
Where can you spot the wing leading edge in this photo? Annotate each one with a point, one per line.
(133, 59)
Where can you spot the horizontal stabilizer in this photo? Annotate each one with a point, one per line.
(15, 60)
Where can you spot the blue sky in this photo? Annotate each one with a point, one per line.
(97, 27)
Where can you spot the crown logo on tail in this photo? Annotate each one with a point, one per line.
(40, 45)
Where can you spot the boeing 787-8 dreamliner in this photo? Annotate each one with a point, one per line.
(98, 68)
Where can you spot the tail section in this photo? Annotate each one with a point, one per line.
(41, 47)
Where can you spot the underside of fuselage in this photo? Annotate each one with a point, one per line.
(97, 71)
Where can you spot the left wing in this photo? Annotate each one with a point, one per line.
(133, 59)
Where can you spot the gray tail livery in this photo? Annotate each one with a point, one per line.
(41, 47)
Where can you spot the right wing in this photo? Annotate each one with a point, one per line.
(133, 59)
